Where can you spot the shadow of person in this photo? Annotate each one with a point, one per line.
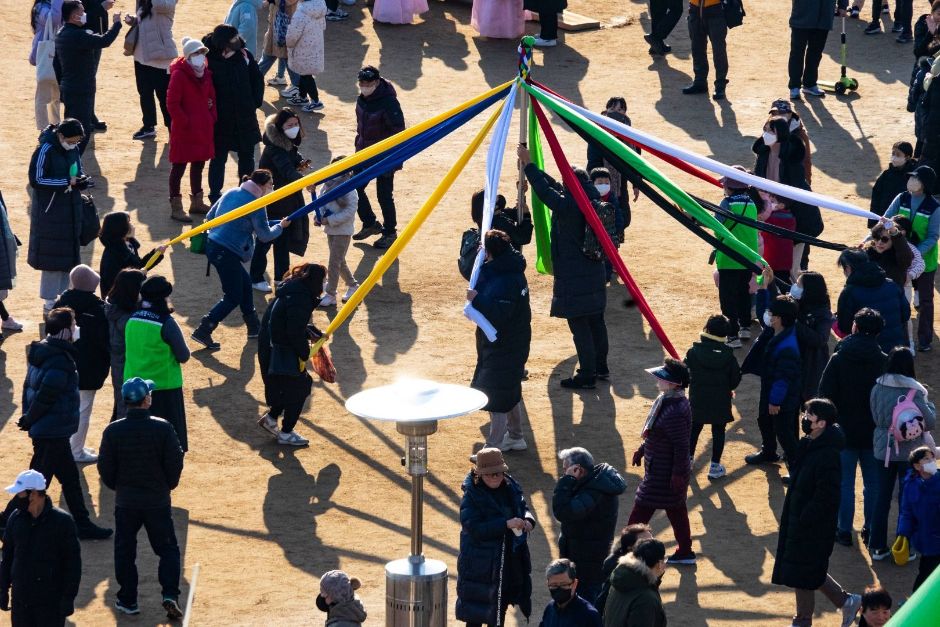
(140, 190)
(391, 319)
(349, 44)
(6, 390)
(228, 404)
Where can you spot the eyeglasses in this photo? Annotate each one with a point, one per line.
(493, 475)
(884, 239)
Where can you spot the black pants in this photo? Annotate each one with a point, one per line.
(734, 297)
(308, 87)
(664, 15)
(97, 53)
(502, 618)
(259, 260)
(158, 522)
(80, 106)
(806, 49)
(36, 617)
(53, 458)
(332, 5)
(246, 164)
(4, 314)
(548, 24)
(590, 341)
(928, 563)
(291, 413)
(384, 189)
(718, 439)
(152, 81)
(783, 426)
(709, 26)
(903, 13)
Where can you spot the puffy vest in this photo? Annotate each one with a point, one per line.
(742, 205)
(919, 224)
(147, 356)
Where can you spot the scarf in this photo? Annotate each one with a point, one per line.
(654, 410)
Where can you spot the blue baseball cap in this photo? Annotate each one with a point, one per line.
(135, 389)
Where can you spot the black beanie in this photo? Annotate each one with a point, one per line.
(156, 288)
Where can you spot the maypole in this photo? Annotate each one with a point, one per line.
(526, 46)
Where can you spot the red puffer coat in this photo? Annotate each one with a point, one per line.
(191, 102)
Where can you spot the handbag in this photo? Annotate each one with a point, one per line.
(131, 39)
(45, 54)
(322, 364)
(734, 12)
(91, 224)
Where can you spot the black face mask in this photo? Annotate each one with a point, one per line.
(235, 46)
(23, 503)
(322, 605)
(560, 595)
(806, 425)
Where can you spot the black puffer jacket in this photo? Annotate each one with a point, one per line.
(378, 116)
(75, 58)
(792, 172)
(118, 256)
(56, 210)
(868, 286)
(239, 93)
(810, 510)
(580, 286)
(285, 322)
(587, 510)
(503, 298)
(141, 460)
(888, 185)
(847, 381)
(714, 374)
(812, 334)
(50, 391)
(42, 560)
(281, 157)
(94, 343)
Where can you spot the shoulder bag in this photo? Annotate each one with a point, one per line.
(45, 53)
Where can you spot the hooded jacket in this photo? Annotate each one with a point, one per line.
(888, 389)
(847, 381)
(868, 286)
(587, 510)
(775, 358)
(243, 15)
(634, 599)
(190, 99)
(714, 374)
(281, 156)
(93, 345)
(503, 298)
(305, 48)
(285, 321)
(239, 93)
(666, 455)
(349, 613)
(339, 216)
(378, 115)
(50, 391)
(919, 519)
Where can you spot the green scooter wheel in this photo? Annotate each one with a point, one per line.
(840, 88)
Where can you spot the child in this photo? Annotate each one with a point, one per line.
(338, 221)
(920, 502)
(892, 181)
(714, 374)
(120, 248)
(876, 607)
(8, 246)
(733, 279)
(601, 179)
(338, 599)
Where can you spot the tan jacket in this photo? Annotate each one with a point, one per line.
(271, 49)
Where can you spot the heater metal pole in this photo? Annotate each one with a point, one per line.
(417, 518)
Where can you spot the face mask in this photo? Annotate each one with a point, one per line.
(292, 132)
(794, 124)
(929, 467)
(366, 91)
(796, 291)
(67, 146)
(898, 161)
(235, 46)
(23, 503)
(560, 595)
(914, 186)
(198, 61)
(603, 189)
(76, 333)
(83, 19)
(767, 318)
(769, 139)
(806, 425)
(322, 605)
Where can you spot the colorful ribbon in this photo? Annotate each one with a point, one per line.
(541, 218)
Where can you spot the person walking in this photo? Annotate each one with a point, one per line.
(568, 607)
(155, 348)
(153, 54)
(579, 291)
(42, 540)
(77, 56)
(707, 24)
(232, 244)
(191, 103)
(810, 23)
(918, 519)
(664, 453)
(305, 51)
(121, 249)
(867, 286)
(338, 220)
(378, 117)
(121, 302)
(634, 588)
(664, 15)
(502, 297)
(284, 348)
(141, 460)
(243, 15)
(494, 569)
(45, 19)
(586, 501)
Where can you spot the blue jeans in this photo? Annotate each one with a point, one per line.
(267, 62)
(852, 457)
(236, 284)
(887, 478)
(158, 522)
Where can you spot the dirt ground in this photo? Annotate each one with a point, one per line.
(264, 522)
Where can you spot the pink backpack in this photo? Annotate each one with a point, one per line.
(907, 423)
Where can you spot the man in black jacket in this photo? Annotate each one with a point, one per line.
(585, 502)
(141, 460)
(77, 52)
(96, 20)
(847, 381)
(42, 558)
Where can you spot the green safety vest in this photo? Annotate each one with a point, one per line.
(742, 205)
(919, 224)
(147, 355)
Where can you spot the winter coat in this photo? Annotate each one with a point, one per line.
(41, 560)
(305, 49)
(155, 44)
(55, 217)
(378, 115)
(587, 510)
(666, 455)
(490, 553)
(75, 58)
(284, 324)
(141, 460)
(886, 393)
(916, 103)
(503, 299)
(238, 235)
(577, 613)
(96, 17)
(117, 323)
(847, 381)
(888, 185)
(281, 157)
(791, 172)
(243, 15)
(580, 285)
(519, 232)
(271, 47)
(812, 334)
(8, 248)
(926, 44)
(634, 599)
(714, 374)
(120, 255)
(339, 216)
(919, 519)
(93, 346)
(44, 11)
(239, 93)
(814, 14)
(776, 360)
(346, 614)
(896, 261)
(867, 286)
(50, 391)
(810, 509)
(192, 105)
(930, 111)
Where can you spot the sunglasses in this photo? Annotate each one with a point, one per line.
(884, 239)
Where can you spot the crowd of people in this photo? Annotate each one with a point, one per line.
(860, 406)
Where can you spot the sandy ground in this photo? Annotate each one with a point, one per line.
(263, 522)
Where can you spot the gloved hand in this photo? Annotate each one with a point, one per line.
(638, 457)
(24, 423)
(679, 483)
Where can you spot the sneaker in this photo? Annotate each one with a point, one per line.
(795, 93)
(297, 101)
(172, 607)
(734, 342)
(11, 325)
(91, 531)
(349, 292)
(912, 556)
(385, 241)
(277, 81)
(854, 12)
(268, 423)
(785, 480)
(681, 558)
(885, 9)
(879, 554)
(578, 382)
(924, 348)
(315, 105)
(762, 457)
(744, 333)
(844, 538)
(291, 439)
(657, 46)
(716, 471)
(261, 286)
(874, 28)
(904, 39)
(336, 16)
(850, 609)
(368, 231)
(290, 91)
(897, 29)
(328, 300)
(145, 132)
(545, 43)
(131, 609)
(603, 376)
(512, 444)
(203, 334)
(86, 457)
(814, 90)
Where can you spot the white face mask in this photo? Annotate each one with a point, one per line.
(83, 19)
(198, 61)
(76, 333)
(794, 124)
(67, 146)
(603, 188)
(769, 139)
(898, 161)
(796, 291)
(292, 132)
(768, 318)
(929, 467)
(367, 91)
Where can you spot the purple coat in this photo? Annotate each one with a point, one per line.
(665, 455)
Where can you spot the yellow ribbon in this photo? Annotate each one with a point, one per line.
(331, 170)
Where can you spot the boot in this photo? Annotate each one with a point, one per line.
(196, 206)
(203, 334)
(253, 324)
(176, 210)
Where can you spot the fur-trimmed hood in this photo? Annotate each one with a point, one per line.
(631, 572)
(273, 136)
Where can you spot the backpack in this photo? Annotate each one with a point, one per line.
(608, 215)
(907, 423)
(734, 12)
(469, 247)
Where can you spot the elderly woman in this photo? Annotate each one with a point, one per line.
(493, 567)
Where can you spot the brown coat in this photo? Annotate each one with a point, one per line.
(271, 49)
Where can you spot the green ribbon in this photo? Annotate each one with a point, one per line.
(541, 219)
